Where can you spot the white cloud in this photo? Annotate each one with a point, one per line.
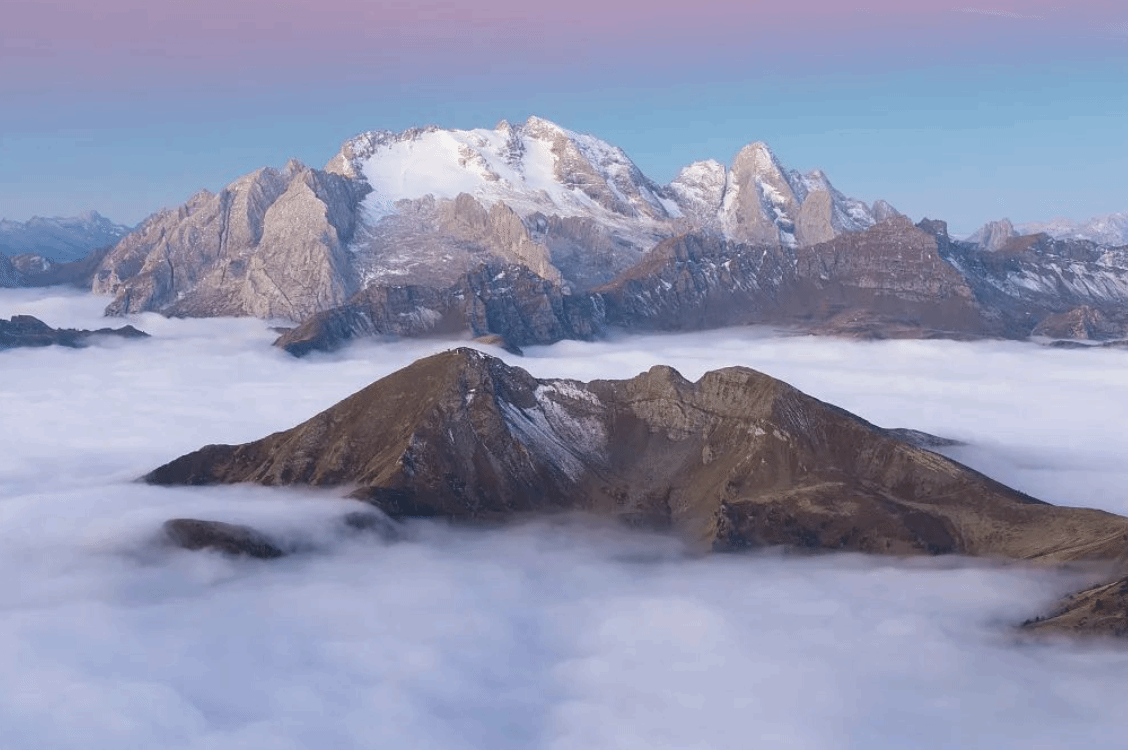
(561, 636)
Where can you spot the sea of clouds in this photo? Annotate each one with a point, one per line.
(564, 634)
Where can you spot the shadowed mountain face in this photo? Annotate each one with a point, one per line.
(888, 280)
(893, 280)
(490, 299)
(736, 459)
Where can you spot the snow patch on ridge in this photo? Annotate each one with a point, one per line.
(560, 433)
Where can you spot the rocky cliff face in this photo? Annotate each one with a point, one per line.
(271, 245)
(889, 279)
(509, 301)
(895, 279)
(1031, 277)
(426, 206)
(994, 235)
(736, 459)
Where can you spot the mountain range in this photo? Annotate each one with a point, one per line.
(536, 233)
(1109, 230)
(59, 239)
(426, 206)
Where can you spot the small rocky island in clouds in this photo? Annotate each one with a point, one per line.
(27, 330)
(734, 461)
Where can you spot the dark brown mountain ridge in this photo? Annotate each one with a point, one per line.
(736, 459)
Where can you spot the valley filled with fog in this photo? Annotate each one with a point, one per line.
(557, 634)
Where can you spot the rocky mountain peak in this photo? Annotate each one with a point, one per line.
(994, 235)
(735, 459)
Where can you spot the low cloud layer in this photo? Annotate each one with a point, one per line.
(552, 635)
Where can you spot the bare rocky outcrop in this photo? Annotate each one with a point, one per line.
(1030, 278)
(994, 235)
(736, 459)
(765, 204)
(499, 229)
(29, 331)
(271, 245)
(893, 280)
(889, 280)
(510, 302)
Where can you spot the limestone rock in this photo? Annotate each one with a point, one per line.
(271, 245)
(994, 235)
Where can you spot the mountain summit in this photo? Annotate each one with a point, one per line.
(736, 459)
(428, 205)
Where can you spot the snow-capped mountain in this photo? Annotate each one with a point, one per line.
(1111, 229)
(427, 205)
(60, 239)
(541, 167)
(537, 166)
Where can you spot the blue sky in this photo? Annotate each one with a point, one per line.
(1010, 119)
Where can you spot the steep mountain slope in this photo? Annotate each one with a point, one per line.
(60, 239)
(1028, 278)
(510, 301)
(888, 280)
(735, 459)
(1100, 610)
(271, 245)
(426, 206)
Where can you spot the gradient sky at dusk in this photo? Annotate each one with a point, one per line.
(967, 113)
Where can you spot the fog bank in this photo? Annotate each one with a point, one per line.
(548, 635)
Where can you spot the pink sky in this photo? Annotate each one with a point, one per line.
(100, 40)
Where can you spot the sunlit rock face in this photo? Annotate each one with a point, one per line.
(427, 205)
